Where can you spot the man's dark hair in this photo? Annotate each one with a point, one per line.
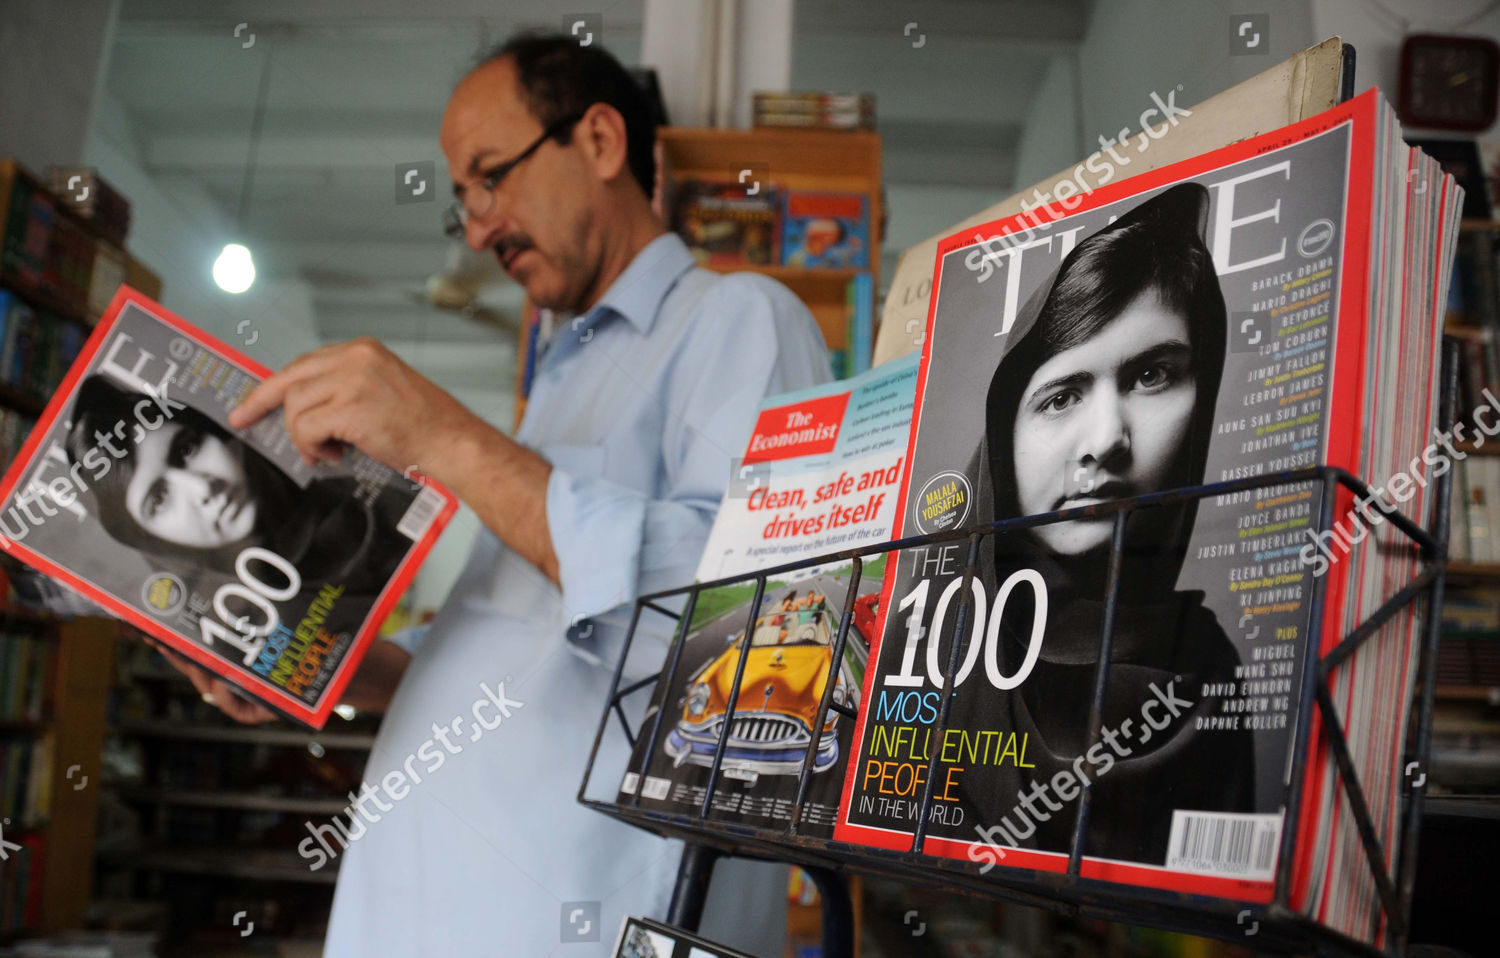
(559, 78)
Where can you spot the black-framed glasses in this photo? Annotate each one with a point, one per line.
(481, 201)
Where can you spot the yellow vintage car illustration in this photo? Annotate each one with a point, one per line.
(785, 673)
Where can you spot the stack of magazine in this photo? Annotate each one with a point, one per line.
(1267, 307)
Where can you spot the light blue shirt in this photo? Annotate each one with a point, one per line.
(640, 405)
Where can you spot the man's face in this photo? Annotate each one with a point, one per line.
(540, 222)
(1104, 420)
(189, 488)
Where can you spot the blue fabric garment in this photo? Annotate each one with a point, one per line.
(639, 405)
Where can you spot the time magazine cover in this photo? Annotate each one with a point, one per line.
(819, 475)
(225, 546)
(1202, 323)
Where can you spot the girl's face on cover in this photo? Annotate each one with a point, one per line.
(1104, 420)
(189, 488)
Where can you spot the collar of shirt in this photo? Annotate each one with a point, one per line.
(635, 295)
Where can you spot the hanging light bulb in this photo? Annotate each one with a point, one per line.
(234, 270)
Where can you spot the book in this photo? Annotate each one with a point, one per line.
(28, 231)
(1241, 314)
(1459, 547)
(25, 664)
(1479, 487)
(107, 275)
(823, 230)
(133, 492)
(818, 475)
(834, 111)
(861, 321)
(728, 224)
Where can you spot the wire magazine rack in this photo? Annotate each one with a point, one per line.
(1276, 926)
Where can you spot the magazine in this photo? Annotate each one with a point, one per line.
(728, 224)
(825, 230)
(644, 938)
(818, 476)
(226, 546)
(1217, 319)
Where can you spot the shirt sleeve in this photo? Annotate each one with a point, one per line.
(749, 338)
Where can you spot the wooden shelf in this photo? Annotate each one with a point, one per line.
(23, 403)
(240, 801)
(789, 274)
(24, 726)
(37, 299)
(799, 159)
(1467, 693)
(1478, 226)
(1474, 571)
(224, 861)
(16, 614)
(247, 735)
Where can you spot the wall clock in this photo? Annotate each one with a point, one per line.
(1449, 82)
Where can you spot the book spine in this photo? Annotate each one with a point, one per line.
(1486, 284)
(1479, 532)
(1458, 516)
(862, 335)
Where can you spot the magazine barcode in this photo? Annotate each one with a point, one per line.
(1216, 843)
(420, 514)
(656, 787)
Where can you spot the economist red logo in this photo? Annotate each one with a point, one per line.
(799, 429)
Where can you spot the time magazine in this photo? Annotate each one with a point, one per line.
(1239, 315)
(224, 545)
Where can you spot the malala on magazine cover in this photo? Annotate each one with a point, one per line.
(1176, 330)
(226, 546)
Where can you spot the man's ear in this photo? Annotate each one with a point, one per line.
(601, 134)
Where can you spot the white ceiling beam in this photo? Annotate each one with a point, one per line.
(1061, 21)
(338, 13)
(201, 152)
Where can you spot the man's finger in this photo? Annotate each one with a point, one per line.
(272, 393)
(233, 704)
(262, 399)
(320, 432)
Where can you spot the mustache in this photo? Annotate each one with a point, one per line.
(512, 244)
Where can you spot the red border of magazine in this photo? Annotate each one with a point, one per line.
(1345, 389)
(182, 645)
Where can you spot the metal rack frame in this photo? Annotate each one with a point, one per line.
(1276, 926)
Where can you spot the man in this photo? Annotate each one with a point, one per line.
(608, 491)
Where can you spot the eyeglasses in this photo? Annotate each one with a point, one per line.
(481, 202)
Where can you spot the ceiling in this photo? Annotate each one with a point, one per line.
(355, 90)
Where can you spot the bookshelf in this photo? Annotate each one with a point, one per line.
(822, 160)
(208, 817)
(78, 668)
(57, 267)
(1466, 720)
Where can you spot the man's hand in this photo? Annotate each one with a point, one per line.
(361, 393)
(215, 691)
(373, 684)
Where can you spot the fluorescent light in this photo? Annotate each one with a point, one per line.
(234, 270)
